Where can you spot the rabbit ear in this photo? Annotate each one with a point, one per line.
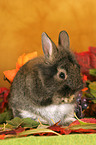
(48, 46)
(64, 39)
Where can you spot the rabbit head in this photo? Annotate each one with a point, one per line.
(60, 72)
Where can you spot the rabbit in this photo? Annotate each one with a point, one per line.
(40, 85)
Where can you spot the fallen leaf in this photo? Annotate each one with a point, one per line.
(2, 136)
(92, 72)
(15, 122)
(84, 89)
(5, 116)
(83, 125)
(29, 56)
(37, 132)
(91, 110)
(87, 61)
(3, 98)
(23, 122)
(20, 61)
(60, 130)
(10, 74)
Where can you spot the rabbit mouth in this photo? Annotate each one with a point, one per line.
(70, 98)
(65, 95)
(67, 91)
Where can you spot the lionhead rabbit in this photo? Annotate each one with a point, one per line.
(40, 84)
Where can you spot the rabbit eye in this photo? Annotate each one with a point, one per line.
(62, 75)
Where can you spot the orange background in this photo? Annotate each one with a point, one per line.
(23, 21)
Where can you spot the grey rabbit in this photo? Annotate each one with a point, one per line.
(42, 83)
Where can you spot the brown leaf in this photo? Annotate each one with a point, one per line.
(91, 110)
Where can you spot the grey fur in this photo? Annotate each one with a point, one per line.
(38, 84)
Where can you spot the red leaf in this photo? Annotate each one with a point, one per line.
(84, 89)
(2, 136)
(92, 51)
(13, 132)
(60, 129)
(87, 60)
(57, 128)
(84, 78)
(84, 61)
(19, 130)
(44, 134)
(87, 120)
(83, 131)
(3, 98)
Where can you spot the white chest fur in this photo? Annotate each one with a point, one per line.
(63, 112)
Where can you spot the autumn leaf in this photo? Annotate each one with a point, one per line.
(60, 129)
(92, 72)
(19, 62)
(23, 122)
(38, 131)
(92, 87)
(7, 115)
(86, 124)
(16, 122)
(79, 126)
(84, 89)
(3, 98)
(10, 74)
(29, 56)
(2, 136)
(25, 58)
(91, 110)
(87, 61)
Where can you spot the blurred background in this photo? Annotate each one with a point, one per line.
(23, 21)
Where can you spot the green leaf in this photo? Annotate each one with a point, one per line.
(80, 121)
(28, 122)
(5, 116)
(92, 72)
(89, 95)
(16, 122)
(5, 127)
(34, 131)
(84, 126)
(94, 101)
(93, 92)
(23, 122)
(92, 87)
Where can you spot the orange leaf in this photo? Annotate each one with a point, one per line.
(2, 136)
(20, 61)
(84, 89)
(25, 58)
(29, 56)
(84, 78)
(10, 74)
